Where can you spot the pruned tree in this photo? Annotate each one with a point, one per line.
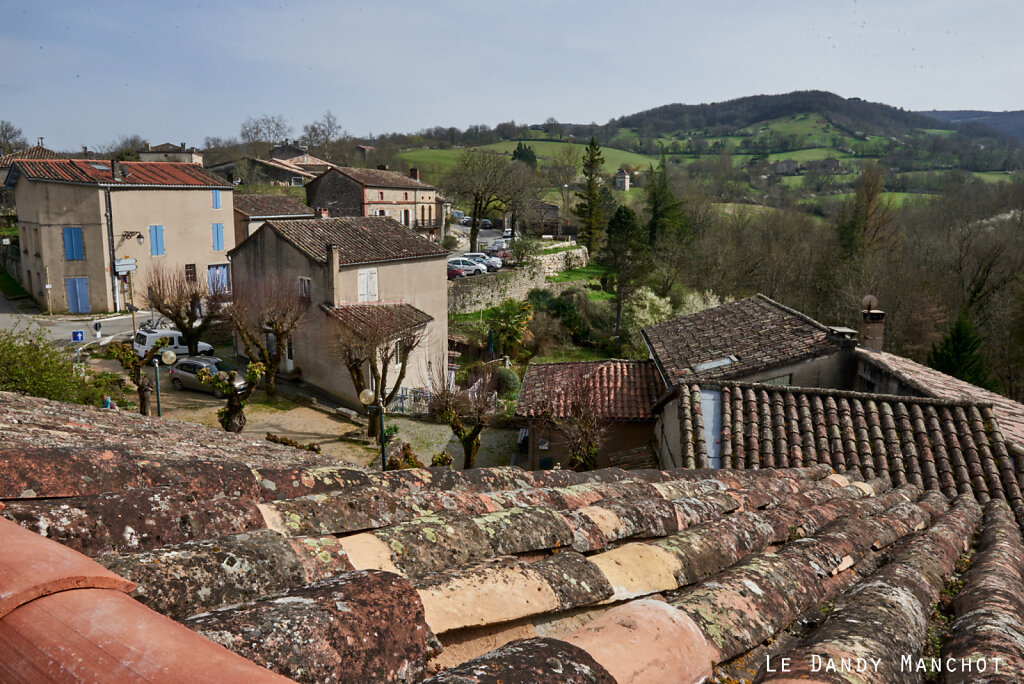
(573, 410)
(136, 368)
(265, 313)
(232, 415)
(467, 411)
(372, 349)
(185, 300)
(11, 138)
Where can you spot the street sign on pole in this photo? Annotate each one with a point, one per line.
(78, 336)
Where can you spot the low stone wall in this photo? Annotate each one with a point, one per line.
(484, 291)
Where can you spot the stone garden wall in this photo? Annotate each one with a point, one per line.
(484, 291)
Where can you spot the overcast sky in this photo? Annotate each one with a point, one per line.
(84, 73)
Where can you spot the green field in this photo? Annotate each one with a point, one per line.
(546, 150)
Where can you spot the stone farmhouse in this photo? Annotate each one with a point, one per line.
(347, 191)
(365, 271)
(77, 216)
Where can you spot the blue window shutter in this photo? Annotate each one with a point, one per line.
(218, 237)
(69, 247)
(216, 199)
(156, 240)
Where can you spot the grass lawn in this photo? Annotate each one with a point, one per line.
(599, 295)
(546, 150)
(809, 154)
(482, 315)
(994, 176)
(10, 287)
(571, 354)
(589, 272)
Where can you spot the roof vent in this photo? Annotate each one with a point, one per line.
(713, 363)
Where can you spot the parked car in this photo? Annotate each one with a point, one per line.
(507, 233)
(489, 260)
(145, 339)
(454, 272)
(485, 223)
(468, 265)
(466, 221)
(183, 374)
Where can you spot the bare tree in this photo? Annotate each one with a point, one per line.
(466, 410)
(265, 314)
(260, 133)
(574, 411)
(136, 368)
(368, 344)
(11, 138)
(185, 300)
(487, 181)
(232, 414)
(562, 173)
(319, 134)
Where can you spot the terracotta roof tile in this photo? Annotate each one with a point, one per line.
(359, 239)
(271, 206)
(388, 319)
(34, 152)
(127, 174)
(626, 390)
(379, 178)
(735, 340)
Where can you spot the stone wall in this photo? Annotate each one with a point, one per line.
(484, 291)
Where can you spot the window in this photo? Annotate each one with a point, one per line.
(218, 279)
(74, 250)
(368, 285)
(304, 287)
(380, 195)
(216, 198)
(218, 237)
(190, 273)
(382, 212)
(406, 196)
(156, 240)
(297, 181)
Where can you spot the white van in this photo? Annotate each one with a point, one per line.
(145, 339)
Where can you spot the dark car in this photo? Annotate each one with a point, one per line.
(183, 374)
(454, 272)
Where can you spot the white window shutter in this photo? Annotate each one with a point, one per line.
(362, 285)
(371, 285)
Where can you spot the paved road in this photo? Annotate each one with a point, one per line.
(59, 328)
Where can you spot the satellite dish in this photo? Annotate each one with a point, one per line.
(869, 303)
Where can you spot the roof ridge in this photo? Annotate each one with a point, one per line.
(794, 312)
(843, 394)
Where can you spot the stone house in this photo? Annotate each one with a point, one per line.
(77, 216)
(625, 392)
(828, 166)
(168, 152)
(785, 167)
(252, 211)
(347, 191)
(367, 270)
(622, 180)
(272, 171)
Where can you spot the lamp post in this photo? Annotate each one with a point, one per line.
(168, 357)
(368, 397)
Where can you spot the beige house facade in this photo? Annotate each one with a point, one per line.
(372, 267)
(77, 218)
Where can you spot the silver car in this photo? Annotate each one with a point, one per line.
(183, 374)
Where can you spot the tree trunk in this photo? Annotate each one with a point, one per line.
(234, 421)
(145, 390)
(470, 447)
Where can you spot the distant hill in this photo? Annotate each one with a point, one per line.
(853, 114)
(1007, 122)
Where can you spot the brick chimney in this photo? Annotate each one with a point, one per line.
(414, 174)
(872, 324)
(382, 167)
(323, 212)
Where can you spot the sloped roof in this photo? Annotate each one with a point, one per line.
(270, 206)
(380, 178)
(34, 152)
(283, 165)
(759, 332)
(933, 383)
(324, 572)
(952, 445)
(360, 239)
(131, 175)
(388, 319)
(624, 390)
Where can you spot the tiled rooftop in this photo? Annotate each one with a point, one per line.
(318, 572)
(389, 319)
(271, 206)
(625, 390)
(757, 333)
(34, 152)
(381, 178)
(129, 174)
(360, 239)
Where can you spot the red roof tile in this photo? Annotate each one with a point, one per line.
(626, 390)
(271, 206)
(129, 175)
(34, 152)
(387, 318)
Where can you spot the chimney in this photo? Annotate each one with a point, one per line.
(414, 174)
(323, 212)
(382, 167)
(40, 141)
(183, 146)
(113, 169)
(86, 154)
(872, 324)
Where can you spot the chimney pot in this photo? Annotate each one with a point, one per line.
(872, 328)
(40, 141)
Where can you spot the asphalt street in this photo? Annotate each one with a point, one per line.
(60, 328)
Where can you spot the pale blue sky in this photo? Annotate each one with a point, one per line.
(83, 73)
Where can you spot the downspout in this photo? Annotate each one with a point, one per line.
(113, 259)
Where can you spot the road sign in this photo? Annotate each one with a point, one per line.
(97, 326)
(78, 336)
(121, 269)
(127, 261)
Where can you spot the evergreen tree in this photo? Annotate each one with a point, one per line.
(525, 154)
(628, 253)
(591, 207)
(667, 213)
(958, 354)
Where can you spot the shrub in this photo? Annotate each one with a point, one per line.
(450, 243)
(508, 381)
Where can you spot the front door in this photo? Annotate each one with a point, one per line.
(77, 290)
(218, 278)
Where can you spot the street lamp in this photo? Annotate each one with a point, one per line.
(168, 357)
(368, 397)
